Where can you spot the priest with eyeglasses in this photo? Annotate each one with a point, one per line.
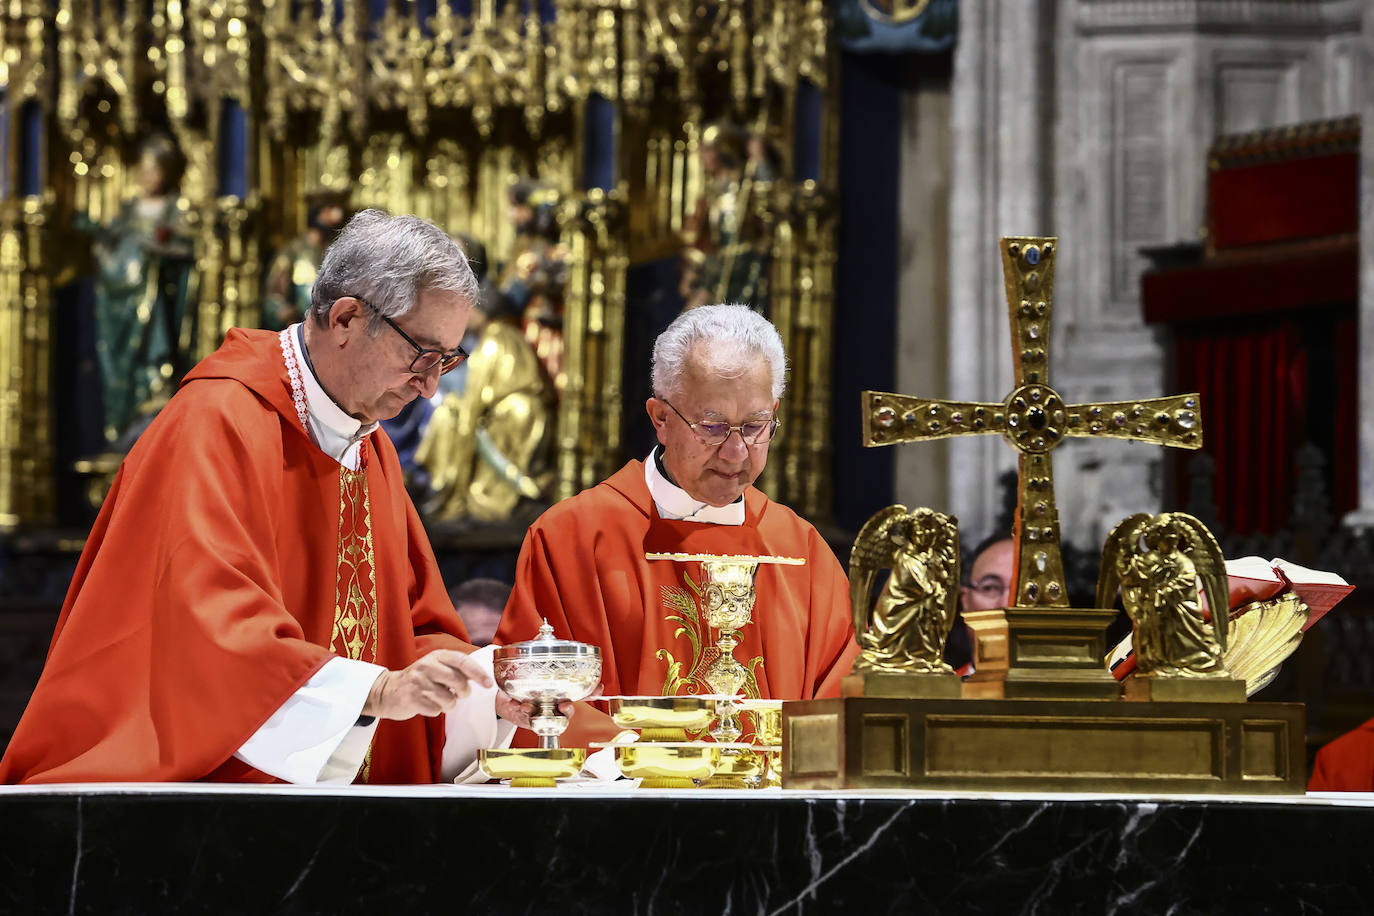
(257, 599)
(718, 378)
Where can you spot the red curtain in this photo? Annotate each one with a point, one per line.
(1257, 385)
(1253, 387)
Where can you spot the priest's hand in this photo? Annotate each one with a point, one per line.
(512, 710)
(429, 686)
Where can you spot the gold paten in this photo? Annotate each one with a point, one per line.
(902, 632)
(532, 767)
(1043, 713)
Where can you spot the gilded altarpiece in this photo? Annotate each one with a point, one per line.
(434, 109)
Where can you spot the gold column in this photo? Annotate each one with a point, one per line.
(27, 33)
(589, 414)
(11, 360)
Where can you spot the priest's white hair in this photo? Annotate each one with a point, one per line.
(387, 261)
(725, 340)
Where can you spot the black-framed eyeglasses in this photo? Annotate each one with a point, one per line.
(753, 433)
(426, 358)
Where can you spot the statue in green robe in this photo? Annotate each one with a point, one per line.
(144, 319)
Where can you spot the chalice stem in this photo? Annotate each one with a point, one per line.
(548, 723)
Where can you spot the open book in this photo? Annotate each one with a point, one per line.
(1251, 579)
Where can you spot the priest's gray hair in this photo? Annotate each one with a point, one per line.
(725, 340)
(387, 261)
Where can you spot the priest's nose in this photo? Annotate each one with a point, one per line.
(734, 447)
(427, 381)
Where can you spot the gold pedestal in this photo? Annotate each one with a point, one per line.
(1044, 745)
(1056, 653)
(1147, 688)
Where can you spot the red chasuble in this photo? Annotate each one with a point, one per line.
(227, 565)
(582, 567)
(1346, 764)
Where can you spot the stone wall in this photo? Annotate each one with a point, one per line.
(1090, 120)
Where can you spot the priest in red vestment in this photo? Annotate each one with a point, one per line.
(257, 599)
(718, 375)
(1346, 764)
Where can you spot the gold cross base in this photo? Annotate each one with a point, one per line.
(1040, 653)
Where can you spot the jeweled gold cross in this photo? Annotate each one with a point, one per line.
(1034, 419)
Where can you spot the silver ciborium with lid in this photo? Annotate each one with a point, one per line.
(544, 671)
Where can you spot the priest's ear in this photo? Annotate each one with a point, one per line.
(658, 415)
(347, 313)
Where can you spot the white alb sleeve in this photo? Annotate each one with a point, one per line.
(315, 737)
(472, 725)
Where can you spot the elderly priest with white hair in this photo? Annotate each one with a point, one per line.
(718, 378)
(257, 599)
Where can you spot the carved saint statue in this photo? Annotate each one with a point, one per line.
(1162, 563)
(724, 258)
(488, 446)
(905, 628)
(143, 316)
(286, 293)
(535, 277)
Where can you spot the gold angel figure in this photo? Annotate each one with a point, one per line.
(905, 629)
(1158, 562)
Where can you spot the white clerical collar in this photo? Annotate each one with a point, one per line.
(334, 431)
(676, 503)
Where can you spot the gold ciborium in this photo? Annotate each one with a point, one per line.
(543, 671)
(527, 767)
(668, 765)
(662, 718)
(663, 758)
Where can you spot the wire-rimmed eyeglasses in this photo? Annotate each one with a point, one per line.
(756, 432)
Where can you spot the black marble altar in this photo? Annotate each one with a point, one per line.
(496, 850)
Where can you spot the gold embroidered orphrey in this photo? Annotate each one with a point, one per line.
(355, 589)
